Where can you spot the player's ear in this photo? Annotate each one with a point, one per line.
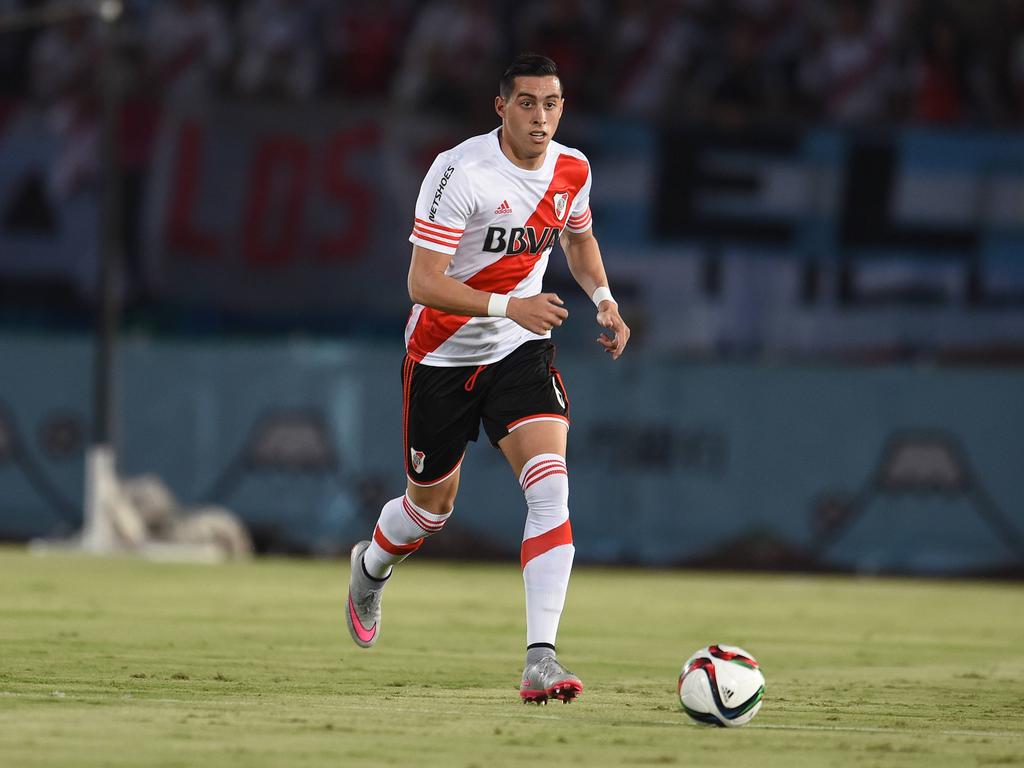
(499, 106)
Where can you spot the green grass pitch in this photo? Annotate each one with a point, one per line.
(117, 662)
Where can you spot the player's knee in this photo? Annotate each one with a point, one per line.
(552, 494)
(438, 500)
(545, 483)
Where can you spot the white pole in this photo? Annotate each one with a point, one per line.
(98, 533)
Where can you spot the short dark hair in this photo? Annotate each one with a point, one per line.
(526, 65)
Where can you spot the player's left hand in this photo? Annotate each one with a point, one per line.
(608, 317)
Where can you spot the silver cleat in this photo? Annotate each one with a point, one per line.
(362, 614)
(547, 679)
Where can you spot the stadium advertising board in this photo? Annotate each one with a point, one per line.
(810, 241)
(887, 469)
(804, 242)
(255, 209)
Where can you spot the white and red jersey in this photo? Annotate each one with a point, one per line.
(498, 222)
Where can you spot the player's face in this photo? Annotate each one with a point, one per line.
(530, 117)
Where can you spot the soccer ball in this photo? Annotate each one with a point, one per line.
(721, 685)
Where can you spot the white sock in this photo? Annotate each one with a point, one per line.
(400, 531)
(547, 545)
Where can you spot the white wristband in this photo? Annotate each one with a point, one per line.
(602, 293)
(497, 305)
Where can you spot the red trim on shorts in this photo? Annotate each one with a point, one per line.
(399, 550)
(538, 545)
(440, 480)
(565, 392)
(407, 367)
(471, 381)
(538, 417)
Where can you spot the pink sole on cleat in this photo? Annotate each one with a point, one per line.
(564, 691)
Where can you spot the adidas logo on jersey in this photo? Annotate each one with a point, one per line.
(504, 207)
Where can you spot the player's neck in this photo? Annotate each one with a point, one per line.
(527, 163)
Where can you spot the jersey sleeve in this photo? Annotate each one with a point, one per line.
(443, 207)
(580, 219)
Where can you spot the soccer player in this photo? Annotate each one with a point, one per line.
(478, 350)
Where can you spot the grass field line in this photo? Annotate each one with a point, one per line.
(527, 715)
(875, 729)
(759, 726)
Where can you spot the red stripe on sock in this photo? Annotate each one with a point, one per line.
(541, 466)
(425, 523)
(538, 545)
(399, 550)
(536, 479)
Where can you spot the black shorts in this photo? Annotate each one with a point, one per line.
(443, 407)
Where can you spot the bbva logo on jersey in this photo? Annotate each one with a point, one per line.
(520, 240)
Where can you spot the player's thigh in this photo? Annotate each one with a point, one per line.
(440, 417)
(522, 444)
(527, 408)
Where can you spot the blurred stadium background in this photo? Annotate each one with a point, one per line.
(811, 212)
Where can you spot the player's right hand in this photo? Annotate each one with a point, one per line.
(537, 314)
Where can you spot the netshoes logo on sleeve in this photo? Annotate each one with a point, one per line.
(440, 191)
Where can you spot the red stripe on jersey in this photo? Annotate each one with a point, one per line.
(429, 225)
(394, 549)
(435, 233)
(581, 216)
(538, 545)
(580, 223)
(436, 236)
(435, 327)
(436, 240)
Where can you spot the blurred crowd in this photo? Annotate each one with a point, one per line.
(732, 61)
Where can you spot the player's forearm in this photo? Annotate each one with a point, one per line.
(444, 293)
(585, 263)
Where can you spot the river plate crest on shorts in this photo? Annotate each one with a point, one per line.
(561, 202)
(418, 457)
